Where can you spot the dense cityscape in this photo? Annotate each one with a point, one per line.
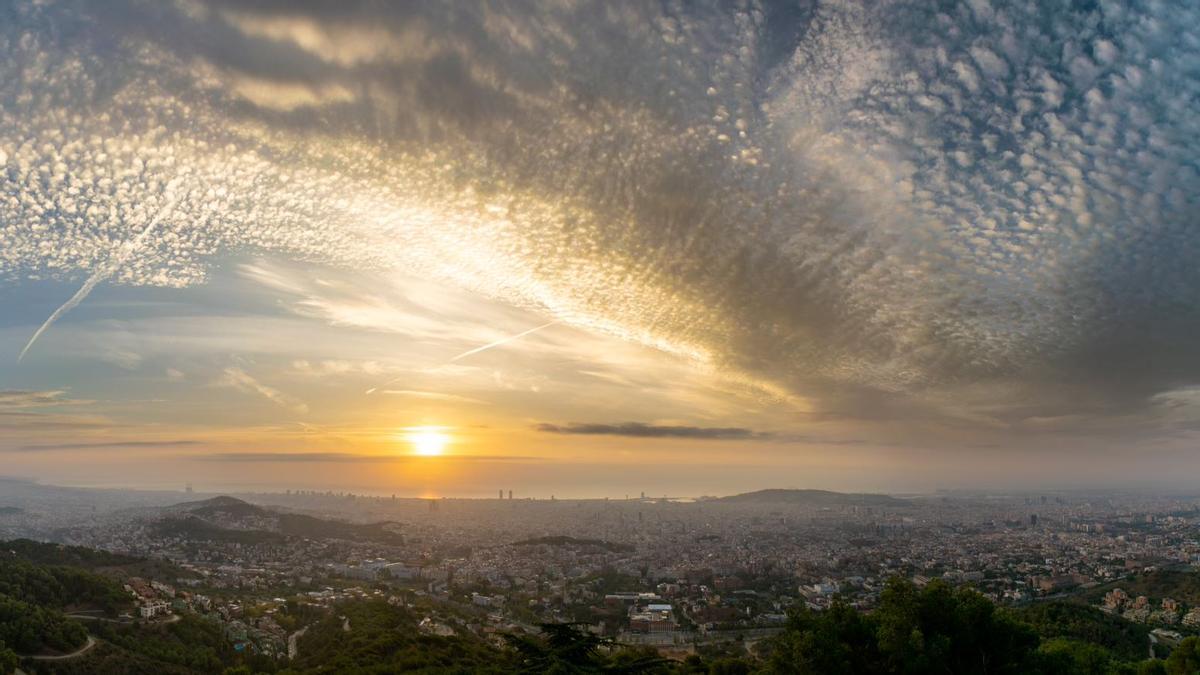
(680, 577)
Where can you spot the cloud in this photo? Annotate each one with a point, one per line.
(639, 430)
(864, 204)
(23, 411)
(432, 396)
(21, 398)
(241, 380)
(107, 445)
(347, 457)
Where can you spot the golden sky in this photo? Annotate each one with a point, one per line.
(586, 249)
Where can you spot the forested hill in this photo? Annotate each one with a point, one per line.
(230, 519)
(38, 582)
(813, 498)
(933, 629)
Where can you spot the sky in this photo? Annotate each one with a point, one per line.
(595, 249)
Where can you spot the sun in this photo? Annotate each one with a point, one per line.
(427, 441)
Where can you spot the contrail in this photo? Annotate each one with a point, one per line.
(476, 350)
(105, 271)
(501, 341)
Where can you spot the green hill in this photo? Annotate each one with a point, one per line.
(573, 542)
(385, 639)
(198, 529)
(1123, 638)
(34, 595)
(223, 517)
(1182, 585)
(812, 498)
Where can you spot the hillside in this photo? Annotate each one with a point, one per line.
(1123, 638)
(231, 519)
(812, 498)
(573, 542)
(1182, 585)
(112, 565)
(198, 529)
(385, 639)
(35, 595)
(46, 553)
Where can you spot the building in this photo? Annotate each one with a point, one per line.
(152, 608)
(1115, 599)
(655, 618)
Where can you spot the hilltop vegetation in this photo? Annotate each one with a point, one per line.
(190, 645)
(385, 639)
(33, 596)
(1124, 639)
(935, 629)
(42, 553)
(813, 498)
(233, 520)
(197, 529)
(30, 629)
(562, 540)
(1181, 585)
(104, 563)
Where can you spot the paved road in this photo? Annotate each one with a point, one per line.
(91, 642)
(293, 644)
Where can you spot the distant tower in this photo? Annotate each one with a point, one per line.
(510, 494)
(1033, 519)
(433, 505)
(188, 488)
(502, 494)
(643, 494)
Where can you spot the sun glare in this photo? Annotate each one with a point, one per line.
(427, 441)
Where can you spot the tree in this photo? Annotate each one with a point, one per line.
(1072, 657)
(1185, 658)
(1151, 667)
(937, 629)
(839, 640)
(8, 660)
(565, 648)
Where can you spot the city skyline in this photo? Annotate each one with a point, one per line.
(591, 250)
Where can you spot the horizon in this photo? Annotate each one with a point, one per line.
(205, 492)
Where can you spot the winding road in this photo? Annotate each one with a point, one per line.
(91, 642)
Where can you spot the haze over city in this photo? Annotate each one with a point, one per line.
(596, 249)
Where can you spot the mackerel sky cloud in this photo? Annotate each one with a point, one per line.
(965, 219)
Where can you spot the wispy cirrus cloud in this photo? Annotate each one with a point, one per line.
(347, 457)
(239, 379)
(105, 445)
(432, 396)
(639, 430)
(20, 398)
